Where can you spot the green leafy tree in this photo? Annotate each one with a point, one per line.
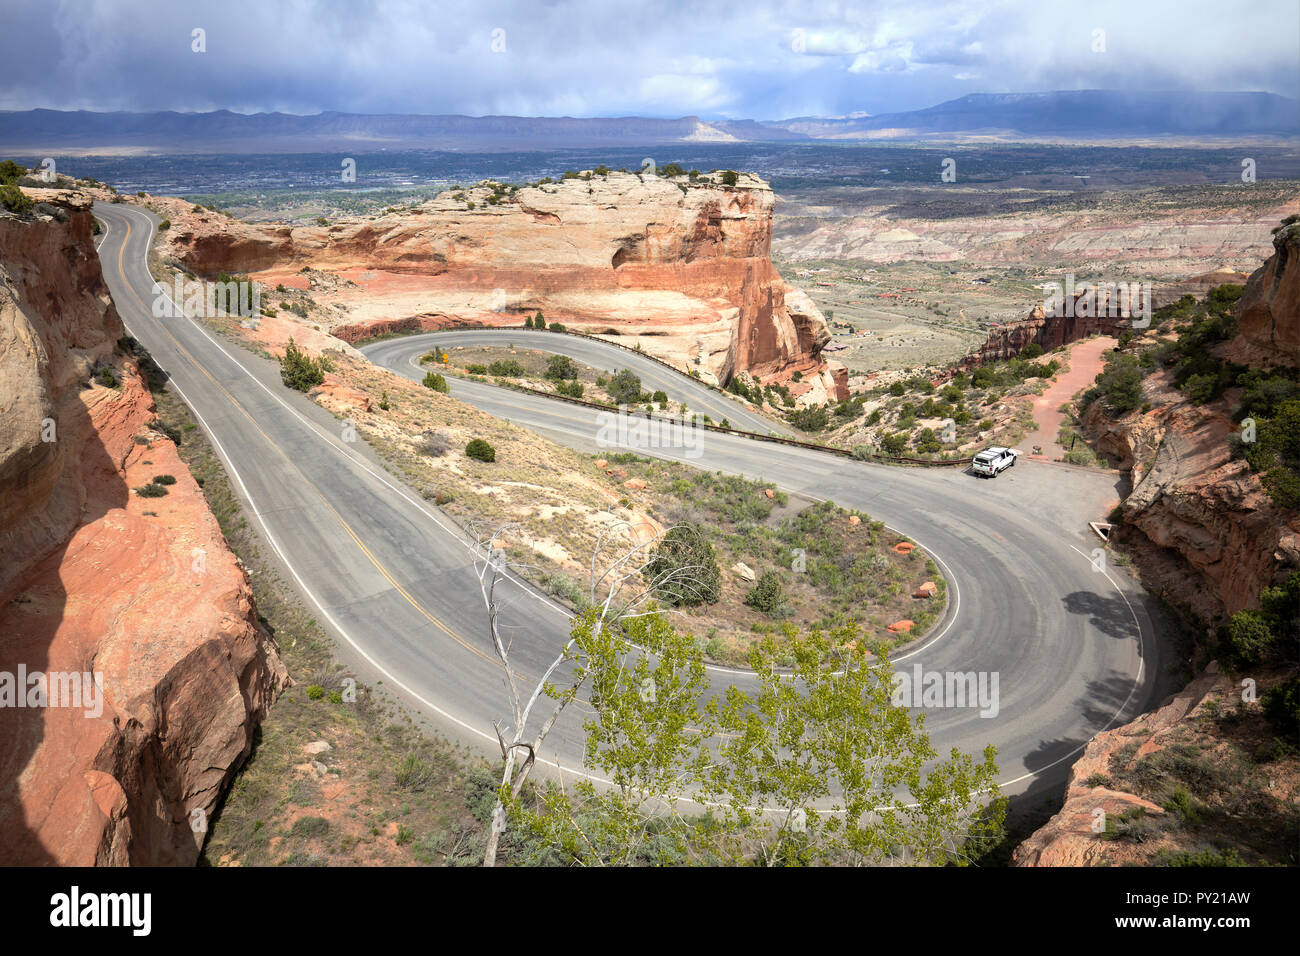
(647, 736)
(1120, 383)
(844, 775)
(538, 321)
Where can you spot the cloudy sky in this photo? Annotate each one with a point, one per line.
(763, 59)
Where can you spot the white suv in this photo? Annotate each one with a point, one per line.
(993, 461)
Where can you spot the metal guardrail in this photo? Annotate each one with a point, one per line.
(793, 442)
(596, 338)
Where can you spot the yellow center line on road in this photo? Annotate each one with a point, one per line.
(379, 566)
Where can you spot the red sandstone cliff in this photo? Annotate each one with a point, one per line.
(1204, 534)
(94, 578)
(683, 267)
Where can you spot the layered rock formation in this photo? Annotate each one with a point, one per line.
(141, 593)
(1212, 535)
(1268, 309)
(1070, 837)
(1203, 534)
(1006, 341)
(680, 266)
(1211, 539)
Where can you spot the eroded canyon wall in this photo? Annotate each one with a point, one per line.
(141, 593)
(682, 266)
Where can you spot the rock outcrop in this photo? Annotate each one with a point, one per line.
(1210, 537)
(1268, 313)
(1071, 837)
(141, 593)
(682, 266)
(1006, 341)
(1204, 535)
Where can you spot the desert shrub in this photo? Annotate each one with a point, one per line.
(436, 382)
(1031, 351)
(538, 321)
(315, 692)
(685, 568)
(1198, 858)
(476, 368)
(766, 595)
(164, 479)
(572, 389)
(1180, 802)
(151, 490)
(730, 177)
(1119, 384)
(893, 445)
(811, 419)
(660, 398)
(625, 387)
(310, 827)
(108, 377)
(506, 368)
(434, 444)
(561, 367)
(412, 773)
(1267, 634)
(558, 327)
(300, 371)
(1276, 453)
(927, 442)
(480, 450)
(10, 172)
(1282, 706)
(14, 199)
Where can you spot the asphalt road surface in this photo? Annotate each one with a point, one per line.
(1071, 644)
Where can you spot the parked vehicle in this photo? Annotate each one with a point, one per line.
(991, 462)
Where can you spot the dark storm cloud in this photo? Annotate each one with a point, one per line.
(759, 58)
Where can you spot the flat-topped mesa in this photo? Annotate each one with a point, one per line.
(681, 267)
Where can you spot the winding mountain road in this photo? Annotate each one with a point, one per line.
(391, 576)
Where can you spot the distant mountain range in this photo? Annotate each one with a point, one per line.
(1086, 114)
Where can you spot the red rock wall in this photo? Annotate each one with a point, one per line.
(1268, 312)
(708, 241)
(95, 578)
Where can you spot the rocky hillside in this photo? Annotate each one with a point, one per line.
(138, 590)
(679, 265)
(1206, 425)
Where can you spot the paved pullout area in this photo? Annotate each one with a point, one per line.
(392, 577)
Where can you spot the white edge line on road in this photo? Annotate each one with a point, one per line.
(544, 598)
